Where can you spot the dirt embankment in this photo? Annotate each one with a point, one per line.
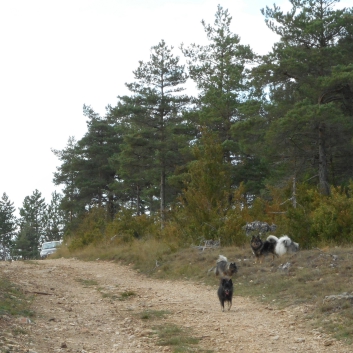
(97, 307)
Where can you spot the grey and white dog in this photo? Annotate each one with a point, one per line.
(224, 268)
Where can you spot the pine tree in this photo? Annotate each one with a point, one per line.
(66, 175)
(206, 194)
(95, 173)
(86, 171)
(55, 218)
(309, 79)
(32, 224)
(220, 72)
(151, 147)
(8, 225)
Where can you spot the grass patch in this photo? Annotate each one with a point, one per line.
(87, 282)
(108, 295)
(154, 314)
(126, 295)
(12, 300)
(176, 337)
(104, 292)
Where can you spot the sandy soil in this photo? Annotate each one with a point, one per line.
(78, 310)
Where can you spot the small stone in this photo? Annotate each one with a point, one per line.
(24, 320)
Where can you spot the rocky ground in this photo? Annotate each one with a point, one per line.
(97, 307)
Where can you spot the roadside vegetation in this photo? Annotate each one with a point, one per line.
(13, 302)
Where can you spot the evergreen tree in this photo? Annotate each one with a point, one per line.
(32, 224)
(204, 205)
(66, 175)
(309, 79)
(95, 174)
(227, 97)
(220, 72)
(151, 148)
(135, 168)
(86, 172)
(55, 218)
(8, 225)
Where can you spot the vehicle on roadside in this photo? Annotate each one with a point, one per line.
(49, 247)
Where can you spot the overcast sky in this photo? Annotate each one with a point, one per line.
(57, 55)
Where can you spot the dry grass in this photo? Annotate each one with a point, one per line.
(311, 276)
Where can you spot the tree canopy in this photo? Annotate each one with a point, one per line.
(257, 128)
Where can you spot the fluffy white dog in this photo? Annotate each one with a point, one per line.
(284, 244)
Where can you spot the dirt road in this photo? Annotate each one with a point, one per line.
(97, 307)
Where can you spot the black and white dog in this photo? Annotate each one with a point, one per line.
(272, 245)
(262, 248)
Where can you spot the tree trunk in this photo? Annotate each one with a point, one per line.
(323, 173)
(138, 200)
(162, 196)
(110, 206)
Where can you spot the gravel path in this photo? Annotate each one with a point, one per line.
(79, 308)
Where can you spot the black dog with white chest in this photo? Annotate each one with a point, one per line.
(225, 292)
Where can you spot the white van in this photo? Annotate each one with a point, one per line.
(48, 248)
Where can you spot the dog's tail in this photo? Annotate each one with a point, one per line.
(285, 239)
(222, 258)
(272, 239)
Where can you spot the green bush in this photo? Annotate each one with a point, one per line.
(332, 220)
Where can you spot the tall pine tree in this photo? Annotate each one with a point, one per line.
(86, 172)
(66, 175)
(55, 218)
(309, 77)
(151, 149)
(220, 72)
